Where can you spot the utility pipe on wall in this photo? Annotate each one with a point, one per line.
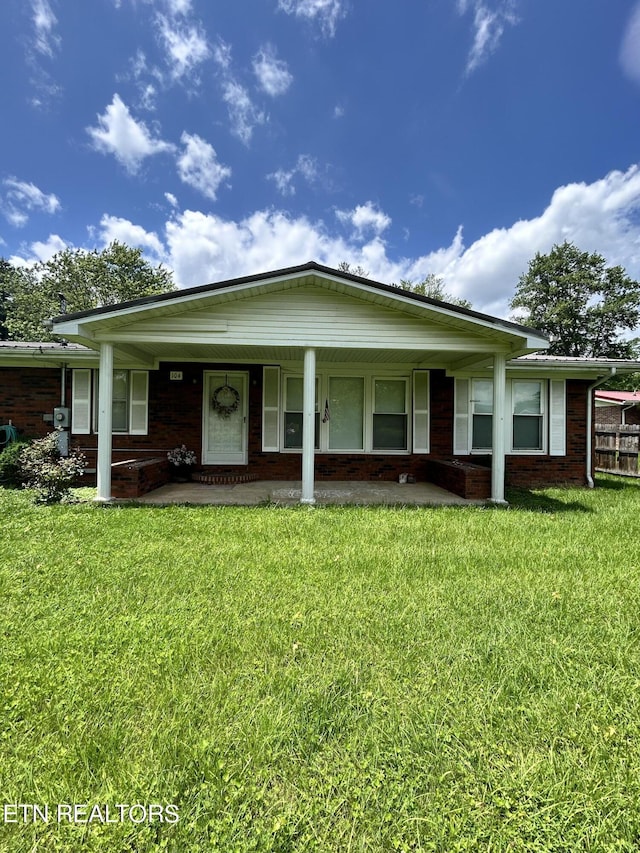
(63, 385)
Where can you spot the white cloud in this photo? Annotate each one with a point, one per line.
(596, 217)
(44, 23)
(206, 248)
(365, 217)
(40, 251)
(172, 7)
(128, 140)
(601, 216)
(22, 198)
(173, 201)
(222, 54)
(243, 113)
(40, 50)
(306, 166)
(186, 46)
(630, 48)
(489, 24)
(116, 228)
(272, 73)
(198, 166)
(178, 7)
(326, 12)
(147, 80)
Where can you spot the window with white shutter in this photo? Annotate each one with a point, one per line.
(81, 401)
(271, 409)
(421, 411)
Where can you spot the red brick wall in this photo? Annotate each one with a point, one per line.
(175, 417)
(612, 415)
(26, 394)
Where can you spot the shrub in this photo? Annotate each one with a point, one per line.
(11, 473)
(47, 472)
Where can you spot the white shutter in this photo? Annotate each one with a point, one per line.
(138, 402)
(421, 411)
(557, 418)
(508, 416)
(81, 401)
(461, 418)
(271, 409)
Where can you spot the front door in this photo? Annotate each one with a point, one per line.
(224, 427)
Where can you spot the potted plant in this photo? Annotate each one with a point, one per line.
(182, 461)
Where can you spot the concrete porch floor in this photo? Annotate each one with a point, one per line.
(288, 493)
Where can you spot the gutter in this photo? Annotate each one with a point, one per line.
(590, 390)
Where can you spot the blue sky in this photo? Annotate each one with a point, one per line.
(456, 137)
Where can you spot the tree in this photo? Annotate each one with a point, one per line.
(77, 280)
(433, 287)
(345, 266)
(582, 305)
(8, 278)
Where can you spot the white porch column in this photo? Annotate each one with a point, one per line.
(308, 426)
(105, 404)
(498, 440)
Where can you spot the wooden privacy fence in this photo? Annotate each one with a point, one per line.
(618, 449)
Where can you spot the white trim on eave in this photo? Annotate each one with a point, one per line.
(89, 326)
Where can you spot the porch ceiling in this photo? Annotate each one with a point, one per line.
(151, 354)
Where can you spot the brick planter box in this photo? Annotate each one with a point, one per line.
(465, 479)
(135, 477)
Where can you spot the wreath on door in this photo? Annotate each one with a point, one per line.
(225, 401)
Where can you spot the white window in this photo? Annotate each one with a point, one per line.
(527, 405)
(129, 406)
(390, 427)
(482, 414)
(536, 420)
(346, 413)
(120, 403)
(293, 408)
(358, 413)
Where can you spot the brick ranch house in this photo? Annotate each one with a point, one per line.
(308, 374)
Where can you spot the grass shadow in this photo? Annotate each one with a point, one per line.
(544, 502)
(616, 482)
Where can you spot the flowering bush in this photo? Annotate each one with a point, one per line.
(181, 456)
(47, 472)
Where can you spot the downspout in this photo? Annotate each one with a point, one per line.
(63, 385)
(590, 391)
(626, 409)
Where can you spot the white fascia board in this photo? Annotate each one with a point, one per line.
(45, 356)
(572, 366)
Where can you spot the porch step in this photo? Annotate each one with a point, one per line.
(211, 479)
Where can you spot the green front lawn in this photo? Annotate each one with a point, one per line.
(331, 679)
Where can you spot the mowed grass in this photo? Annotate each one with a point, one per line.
(330, 679)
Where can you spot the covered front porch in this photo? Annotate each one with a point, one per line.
(287, 493)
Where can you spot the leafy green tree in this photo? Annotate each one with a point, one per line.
(345, 266)
(78, 280)
(9, 276)
(433, 287)
(582, 305)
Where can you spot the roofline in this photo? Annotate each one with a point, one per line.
(311, 266)
(538, 360)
